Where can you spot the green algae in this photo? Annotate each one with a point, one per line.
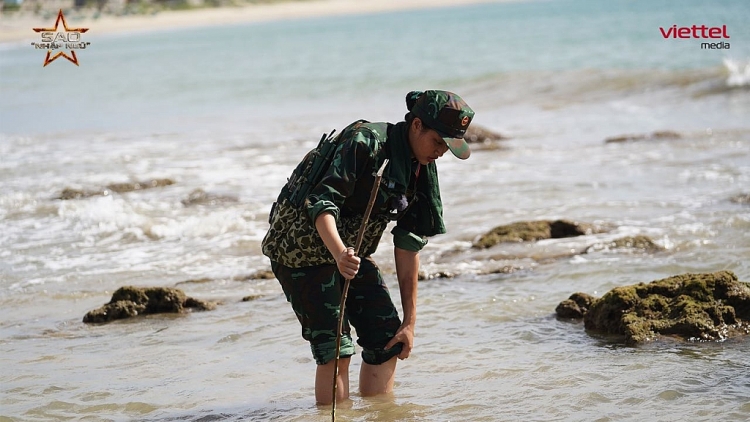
(639, 243)
(130, 301)
(70, 193)
(707, 306)
(575, 306)
(525, 231)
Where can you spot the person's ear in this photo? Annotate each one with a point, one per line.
(417, 124)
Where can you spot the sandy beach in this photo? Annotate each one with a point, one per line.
(18, 28)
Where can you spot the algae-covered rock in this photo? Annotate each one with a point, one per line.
(525, 231)
(575, 306)
(635, 243)
(658, 135)
(201, 197)
(423, 275)
(133, 186)
(70, 193)
(131, 301)
(478, 134)
(710, 306)
(257, 275)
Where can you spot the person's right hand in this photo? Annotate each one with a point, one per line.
(347, 263)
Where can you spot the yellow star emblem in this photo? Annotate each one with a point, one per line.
(73, 59)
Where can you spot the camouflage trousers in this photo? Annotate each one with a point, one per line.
(315, 295)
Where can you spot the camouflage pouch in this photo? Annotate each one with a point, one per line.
(293, 241)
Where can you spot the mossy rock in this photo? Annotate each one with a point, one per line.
(130, 187)
(129, 301)
(201, 197)
(634, 243)
(658, 135)
(477, 134)
(575, 306)
(70, 193)
(709, 306)
(258, 275)
(423, 275)
(525, 231)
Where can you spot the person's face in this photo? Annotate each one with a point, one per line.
(426, 145)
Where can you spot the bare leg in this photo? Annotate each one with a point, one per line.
(377, 379)
(324, 382)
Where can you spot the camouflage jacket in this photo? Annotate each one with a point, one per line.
(409, 194)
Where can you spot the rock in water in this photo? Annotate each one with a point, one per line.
(741, 198)
(575, 306)
(710, 306)
(478, 134)
(658, 135)
(131, 301)
(525, 231)
(638, 243)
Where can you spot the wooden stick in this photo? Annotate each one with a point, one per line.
(342, 306)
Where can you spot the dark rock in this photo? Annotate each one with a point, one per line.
(130, 187)
(743, 198)
(531, 231)
(478, 134)
(640, 243)
(575, 306)
(250, 298)
(431, 276)
(712, 306)
(658, 135)
(70, 193)
(195, 281)
(507, 269)
(131, 301)
(201, 197)
(258, 275)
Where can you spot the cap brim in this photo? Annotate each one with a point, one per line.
(458, 147)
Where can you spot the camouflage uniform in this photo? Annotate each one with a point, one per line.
(409, 193)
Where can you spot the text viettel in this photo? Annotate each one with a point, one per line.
(695, 31)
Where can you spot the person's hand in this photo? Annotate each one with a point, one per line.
(347, 263)
(404, 335)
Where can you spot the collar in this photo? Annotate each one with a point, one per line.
(399, 170)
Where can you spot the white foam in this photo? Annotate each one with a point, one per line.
(739, 73)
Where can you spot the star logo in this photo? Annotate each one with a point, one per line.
(50, 38)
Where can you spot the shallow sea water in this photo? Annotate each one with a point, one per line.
(488, 346)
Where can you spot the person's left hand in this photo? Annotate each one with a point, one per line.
(404, 335)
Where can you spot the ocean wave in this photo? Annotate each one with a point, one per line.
(739, 73)
(557, 89)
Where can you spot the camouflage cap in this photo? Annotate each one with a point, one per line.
(447, 114)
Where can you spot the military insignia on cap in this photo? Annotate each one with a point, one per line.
(465, 121)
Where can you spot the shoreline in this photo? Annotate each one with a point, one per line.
(19, 29)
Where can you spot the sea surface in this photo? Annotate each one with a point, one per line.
(230, 110)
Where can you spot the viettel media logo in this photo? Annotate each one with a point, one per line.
(54, 40)
(700, 31)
